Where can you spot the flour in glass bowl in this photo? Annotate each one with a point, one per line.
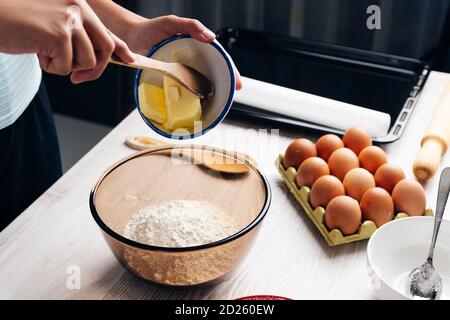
(179, 223)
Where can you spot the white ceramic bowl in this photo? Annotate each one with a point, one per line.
(212, 60)
(401, 245)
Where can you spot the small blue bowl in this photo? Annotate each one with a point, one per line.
(212, 60)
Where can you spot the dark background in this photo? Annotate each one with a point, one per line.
(411, 28)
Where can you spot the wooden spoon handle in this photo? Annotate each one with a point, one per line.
(216, 162)
(143, 142)
(186, 76)
(141, 62)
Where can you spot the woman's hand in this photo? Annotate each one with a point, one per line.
(148, 32)
(142, 34)
(67, 35)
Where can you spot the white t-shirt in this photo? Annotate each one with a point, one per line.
(20, 77)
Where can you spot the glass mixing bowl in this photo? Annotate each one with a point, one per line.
(168, 173)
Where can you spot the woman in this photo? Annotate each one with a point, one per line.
(63, 37)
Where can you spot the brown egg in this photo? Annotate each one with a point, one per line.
(324, 190)
(327, 144)
(342, 161)
(356, 139)
(377, 206)
(388, 175)
(310, 170)
(343, 213)
(297, 152)
(409, 197)
(357, 181)
(371, 158)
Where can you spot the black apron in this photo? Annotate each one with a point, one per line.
(30, 161)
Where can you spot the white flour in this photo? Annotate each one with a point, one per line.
(180, 223)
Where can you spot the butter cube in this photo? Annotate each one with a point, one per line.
(173, 94)
(153, 102)
(183, 107)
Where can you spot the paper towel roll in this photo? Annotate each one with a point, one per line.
(312, 108)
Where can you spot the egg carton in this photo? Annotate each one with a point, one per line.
(335, 236)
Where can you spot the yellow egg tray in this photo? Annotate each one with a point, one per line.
(335, 236)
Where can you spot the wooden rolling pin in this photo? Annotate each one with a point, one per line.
(436, 140)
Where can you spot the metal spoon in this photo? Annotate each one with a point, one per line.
(188, 77)
(424, 282)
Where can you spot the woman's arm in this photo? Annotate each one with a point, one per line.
(116, 18)
(66, 34)
(141, 34)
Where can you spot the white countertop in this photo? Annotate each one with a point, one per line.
(41, 248)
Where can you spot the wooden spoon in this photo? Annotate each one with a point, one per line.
(188, 77)
(217, 161)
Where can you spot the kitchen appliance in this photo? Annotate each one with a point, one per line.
(380, 82)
